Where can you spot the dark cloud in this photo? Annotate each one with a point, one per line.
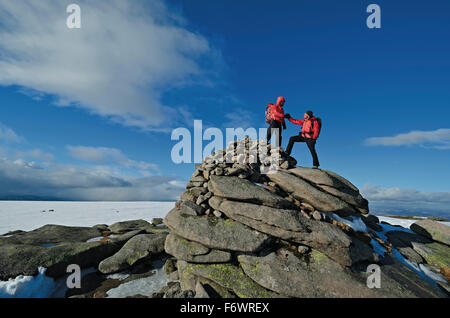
(407, 201)
(102, 183)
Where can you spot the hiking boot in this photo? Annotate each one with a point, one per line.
(315, 167)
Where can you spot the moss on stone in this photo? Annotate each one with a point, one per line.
(231, 277)
(134, 258)
(229, 222)
(317, 257)
(213, 221)
(192, 248)
(435, 254)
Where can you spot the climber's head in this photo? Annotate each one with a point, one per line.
(281, 101)
(308, 115)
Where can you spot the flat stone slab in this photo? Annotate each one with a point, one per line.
(231, 277)
(244, 190)
(435, 254)
(127, 226)
(194, 252)
(306, 192)
(432, 229)
(347, 195)
(322, 177)
(25, 259)
(215, 233)
(318, 276)
(135, 249)
(53, 234)
(315, 275)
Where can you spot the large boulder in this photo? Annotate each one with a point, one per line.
(228, 276)
(306, 192)
(194, 252)
(435, 254)
(191, 208)
(352, 198)
(333, 184)
(316, 275)
(25, 259)
(290, 225)
(126, 226)
(321, 177)
(214, 232)
(241, 189)
(137, 248)
(53, 234)
(433, 230)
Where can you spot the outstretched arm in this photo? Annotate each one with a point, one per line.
(295, 121)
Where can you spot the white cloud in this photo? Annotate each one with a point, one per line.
(118, 65)
(409, 195)
(408, 200)
(36, 154)
(7, 134)
(104, 155)
(20, 178)
(439, 139)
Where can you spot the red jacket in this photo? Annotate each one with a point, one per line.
(309, 130)
(277, 112)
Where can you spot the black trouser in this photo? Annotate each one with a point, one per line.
(274, 124)
(311, 145)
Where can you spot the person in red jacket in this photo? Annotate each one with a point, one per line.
(276, 116)
(309, 134)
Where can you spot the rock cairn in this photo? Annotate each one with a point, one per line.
(239, 231)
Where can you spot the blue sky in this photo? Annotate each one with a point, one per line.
(87, 114)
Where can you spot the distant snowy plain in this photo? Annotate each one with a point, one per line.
(30, 215)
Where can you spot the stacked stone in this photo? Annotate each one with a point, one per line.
(239, 159)
(239, 232)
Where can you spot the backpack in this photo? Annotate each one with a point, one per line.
(319, 121)
(268, 115)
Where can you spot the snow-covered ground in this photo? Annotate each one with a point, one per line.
(29, 215)
(27, 286)
(143, 286)
(402, 222)
(39, 286)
